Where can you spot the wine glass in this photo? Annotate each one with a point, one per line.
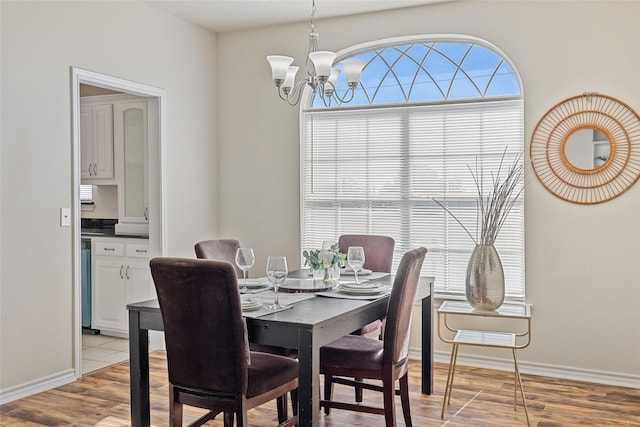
(244, 260)
(276, 273)
(355, 258)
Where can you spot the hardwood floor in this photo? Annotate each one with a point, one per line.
(480, 397)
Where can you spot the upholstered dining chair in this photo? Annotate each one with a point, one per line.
(209, 363)
(378, 250)
(225, 250)
(355, 356)
(378, 256)
(220, 250)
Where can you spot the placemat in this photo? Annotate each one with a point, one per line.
(288, 300)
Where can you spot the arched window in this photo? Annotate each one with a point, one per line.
(426, 111)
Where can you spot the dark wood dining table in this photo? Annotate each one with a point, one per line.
(307, 326)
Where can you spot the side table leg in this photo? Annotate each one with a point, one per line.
(447, 389)
(519, 380)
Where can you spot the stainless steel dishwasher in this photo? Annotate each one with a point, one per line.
(85, 291)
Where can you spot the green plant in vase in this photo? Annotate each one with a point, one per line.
(325, 260)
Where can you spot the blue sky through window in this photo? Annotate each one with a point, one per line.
(429, 72)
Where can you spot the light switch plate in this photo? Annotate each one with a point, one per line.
(65, 217)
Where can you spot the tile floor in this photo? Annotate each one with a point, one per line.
(99, 351)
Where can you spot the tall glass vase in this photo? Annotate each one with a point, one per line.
(484, 285)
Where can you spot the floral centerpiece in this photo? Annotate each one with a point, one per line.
(325, 261)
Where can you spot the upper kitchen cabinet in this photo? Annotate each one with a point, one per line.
(96, 139)
(131, 129)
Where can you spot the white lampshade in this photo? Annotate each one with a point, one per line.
(333, 77)
(322, 61)
(279, 66)
(352, 69)
(290, 78)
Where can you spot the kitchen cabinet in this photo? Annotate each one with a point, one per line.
(131, 131)
(96, 141)
(121, 275)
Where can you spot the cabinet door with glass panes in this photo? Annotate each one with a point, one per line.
(131, 132)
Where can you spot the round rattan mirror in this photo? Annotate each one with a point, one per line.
(586, 149)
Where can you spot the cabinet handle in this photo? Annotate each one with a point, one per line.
(146, 213)
(141, 251)
(121, 267)
(90, 173)
(95, 169)
(110, 249)
(126, 273)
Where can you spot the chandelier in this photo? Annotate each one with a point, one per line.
(321, 75)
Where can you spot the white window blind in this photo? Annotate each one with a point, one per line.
(86, 192)
(376, 171)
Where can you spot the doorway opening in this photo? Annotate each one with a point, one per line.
(90, 82)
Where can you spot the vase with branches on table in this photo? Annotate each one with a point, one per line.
(484, 281)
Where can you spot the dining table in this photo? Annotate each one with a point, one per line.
(305, 325)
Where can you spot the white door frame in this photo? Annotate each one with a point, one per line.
(157, 227)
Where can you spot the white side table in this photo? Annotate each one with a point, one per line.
(497, 339)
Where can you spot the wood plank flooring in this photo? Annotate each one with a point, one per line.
(481, 397)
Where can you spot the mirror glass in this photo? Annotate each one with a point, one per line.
(587, 148)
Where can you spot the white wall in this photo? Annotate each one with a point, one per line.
(582, 275)
(41, 41)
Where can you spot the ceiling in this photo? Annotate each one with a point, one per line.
(230, 15)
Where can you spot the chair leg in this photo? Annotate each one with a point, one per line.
(404, 398)
(294, 402)
(328, 391)
(358, 390)
(282, 408)
(389, 392)
(175, 409)
(228, 419)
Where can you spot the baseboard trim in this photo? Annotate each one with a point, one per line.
(532, 368)
(37, 386)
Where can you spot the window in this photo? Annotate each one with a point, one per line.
(426, 112)
(86, 193)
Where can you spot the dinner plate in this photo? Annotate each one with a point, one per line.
(252, 284)
(357, 291)
(249, 304)
(361, 286)
(349, 272)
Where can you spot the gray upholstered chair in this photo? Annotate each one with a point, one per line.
(209, 362)
(354, 356)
